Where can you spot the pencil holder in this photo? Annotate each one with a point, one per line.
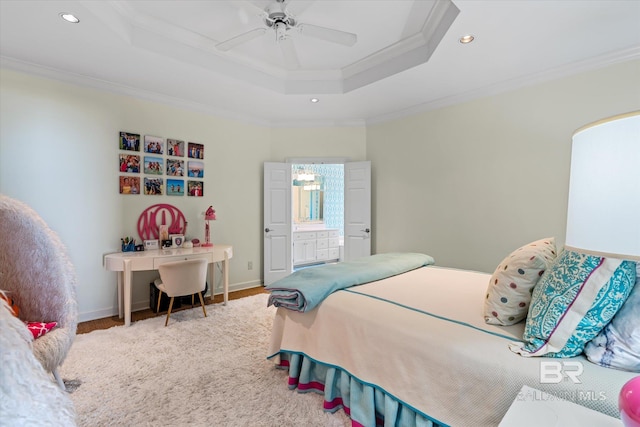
(128, 247)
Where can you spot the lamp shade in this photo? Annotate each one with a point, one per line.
(603, 216)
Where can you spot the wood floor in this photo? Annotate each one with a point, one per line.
(109, 322)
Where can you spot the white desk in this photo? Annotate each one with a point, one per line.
(125, 263)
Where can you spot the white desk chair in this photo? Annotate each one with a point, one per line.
(182, 278)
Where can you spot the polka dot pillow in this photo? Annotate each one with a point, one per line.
(573, 302)
(511, 285)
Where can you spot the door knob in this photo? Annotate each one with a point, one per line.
(366, 230)
(266, 230)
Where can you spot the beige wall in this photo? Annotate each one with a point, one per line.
(348, 142)
(469, 183)
(466, 184)
(59, 153)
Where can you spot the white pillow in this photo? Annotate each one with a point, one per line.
(511, 285)
(618, 344)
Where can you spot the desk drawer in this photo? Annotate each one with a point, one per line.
(162, 260)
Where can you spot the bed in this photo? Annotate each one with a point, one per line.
(414, 349)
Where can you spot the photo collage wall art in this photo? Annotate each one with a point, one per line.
(168, 166)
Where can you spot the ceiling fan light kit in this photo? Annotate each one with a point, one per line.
(278, 18)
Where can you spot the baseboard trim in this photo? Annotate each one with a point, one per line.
(144, 305)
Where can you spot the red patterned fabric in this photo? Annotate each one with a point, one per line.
(38, 329)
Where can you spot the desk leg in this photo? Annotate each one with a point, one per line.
(120, 284)
(225, 272)
(211, 278)
(127, 292)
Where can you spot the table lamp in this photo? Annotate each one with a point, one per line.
(603, 216)
(209, 215)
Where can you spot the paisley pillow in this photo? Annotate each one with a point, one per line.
(573, 302)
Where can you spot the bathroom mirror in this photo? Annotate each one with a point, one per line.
(308, 203)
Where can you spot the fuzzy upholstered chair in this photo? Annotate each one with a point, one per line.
(37, 274)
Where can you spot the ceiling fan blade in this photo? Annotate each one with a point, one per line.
(329, 34)
(289, 54)
(261, 4)
(247, 9)
(239, 39)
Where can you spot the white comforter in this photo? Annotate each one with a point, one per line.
(421, 338)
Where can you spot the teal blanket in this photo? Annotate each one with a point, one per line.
(305, 289)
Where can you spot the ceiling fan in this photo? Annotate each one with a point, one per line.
(281, 17)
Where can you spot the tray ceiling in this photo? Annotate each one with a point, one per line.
(407, 56)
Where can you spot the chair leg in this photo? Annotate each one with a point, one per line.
(58, 378)
(202, 303)
(159, 298)
(169, 312)
(192, 300)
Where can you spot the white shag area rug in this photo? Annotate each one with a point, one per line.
(195, 372)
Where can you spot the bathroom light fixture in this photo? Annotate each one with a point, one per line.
(314, 100)
(466, 39)
(69, 17)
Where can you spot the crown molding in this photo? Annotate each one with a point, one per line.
(567, 70)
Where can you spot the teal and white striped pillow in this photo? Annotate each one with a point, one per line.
(573, 301)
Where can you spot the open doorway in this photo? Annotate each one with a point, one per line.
(278, 221)
(317, 201)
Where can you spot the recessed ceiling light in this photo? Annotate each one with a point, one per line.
(314, 100)
(69, 17)
(466, 39)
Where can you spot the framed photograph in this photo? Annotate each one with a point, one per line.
(175, 187)
(195, 169)
(195, 188)
(153, 186)
(153, 165)
(175, 147)
(129, 141)
(175, 167)
(129, 163)
(129, 185)
(177, 240)
(196, 151)
(153, 144)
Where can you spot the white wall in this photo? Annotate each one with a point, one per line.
(470, 183)
(349, 142)
(59, 153)
(466, 184)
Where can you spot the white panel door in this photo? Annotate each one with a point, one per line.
(357, 210)
(277, 221)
